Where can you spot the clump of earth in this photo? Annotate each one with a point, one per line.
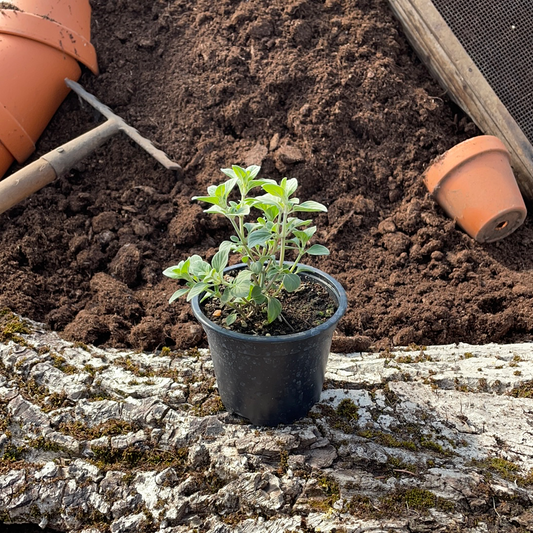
(325, 91)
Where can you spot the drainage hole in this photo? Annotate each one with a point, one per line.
(502, 225)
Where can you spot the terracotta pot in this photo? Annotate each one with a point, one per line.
(41, 42)
(474, 183)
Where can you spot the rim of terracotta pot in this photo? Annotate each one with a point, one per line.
(459, 155)
(49, 32)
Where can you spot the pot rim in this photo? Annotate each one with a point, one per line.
(457, 156)
(335, 286)
(51, 33)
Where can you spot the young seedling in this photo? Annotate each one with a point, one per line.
(263, 245)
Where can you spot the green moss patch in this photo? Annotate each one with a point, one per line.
(331, 491)
(139, 458)
(400, 503)
(524, 390)
(408, 359)
(61, 363)
(110, 428)
(409, 437)
(505, 469)
(12, 327)
(344, 417)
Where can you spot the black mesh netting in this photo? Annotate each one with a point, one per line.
(498, 36)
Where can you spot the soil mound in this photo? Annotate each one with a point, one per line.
(326, 91)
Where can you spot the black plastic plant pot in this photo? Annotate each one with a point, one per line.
(273, 380)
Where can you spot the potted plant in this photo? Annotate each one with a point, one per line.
(269, 365)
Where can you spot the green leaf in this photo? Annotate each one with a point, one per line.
(230, 184)
(310, 231)
(225, 245)
(260, 182)
(242, 290)
(274, 190)
(220, 191)
(175, 272)
(220, 259)
(178, 293)
(291, 186)
(197, 289)
(273, 309)
(265, 200)
(215, 209)
(291, 282)
(223, 190)
(295, 223)
(242, 284)
(210, 277)
(311, 207)
(272, 212)
(207, 199)
(231, 318)
(259, 238)
(180, 271)
(250, 226)
(198, 267)
(302, 236)
(240, 172)
(256, 267)
(244, 274)
(252, 171)
(272, 272)
(226, 296)
(228, 172)
(318, 249)
(257, 295)
(238, 210)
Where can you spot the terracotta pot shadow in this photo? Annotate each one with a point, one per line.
(41, 42)
(474, 183)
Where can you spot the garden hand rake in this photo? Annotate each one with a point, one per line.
(47, 168)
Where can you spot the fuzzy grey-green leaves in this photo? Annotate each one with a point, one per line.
(220, 259)
(317, 249)
(264, 245)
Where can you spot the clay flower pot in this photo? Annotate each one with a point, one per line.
(474, 183)
(41, 42)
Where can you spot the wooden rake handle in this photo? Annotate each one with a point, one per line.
(46, 169)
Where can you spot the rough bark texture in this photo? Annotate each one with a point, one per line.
(420, 439)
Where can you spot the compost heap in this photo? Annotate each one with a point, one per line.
(325, 91)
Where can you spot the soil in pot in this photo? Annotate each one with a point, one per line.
(328, 92)
(307, 307)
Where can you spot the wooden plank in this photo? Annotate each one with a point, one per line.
(450, 64)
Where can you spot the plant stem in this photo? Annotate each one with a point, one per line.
(283, 232)
(239, 229)
(297, 260)
(240, 234)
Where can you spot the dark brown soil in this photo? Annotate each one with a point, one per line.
(326, 91)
